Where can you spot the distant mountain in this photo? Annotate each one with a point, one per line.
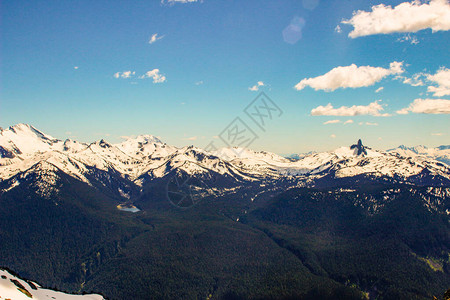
(441, 153)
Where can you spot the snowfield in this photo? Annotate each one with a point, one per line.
(14, 288)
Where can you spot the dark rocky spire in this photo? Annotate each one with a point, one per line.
(360, 149)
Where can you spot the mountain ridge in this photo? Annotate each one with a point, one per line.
(329, 225)
(22, 145)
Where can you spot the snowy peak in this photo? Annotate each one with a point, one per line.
(25, 130)
(145, 139)
(441, 153)
(24, 139)
(415, 150)
(144, 146)
(73, 146)
(230, 154)
(103, 144)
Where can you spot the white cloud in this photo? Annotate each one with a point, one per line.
(76, 67)
(373, 109)
(332, 122)
(367, 123)
(379, 89)
(255, 88)
(126, 74)
(338, 29)
(427, 106)
(155, 75)
(333, 136)
(437, 134)
(199, 82)
(155, 38)
(348, 122)
(415, 80)
(405, 17)
(350, 77)
(442, 79)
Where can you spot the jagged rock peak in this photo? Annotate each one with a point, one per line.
(360, 149)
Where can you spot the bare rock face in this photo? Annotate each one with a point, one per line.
(359, 148)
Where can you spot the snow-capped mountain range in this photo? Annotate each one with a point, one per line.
(441, 153)
(25, 149)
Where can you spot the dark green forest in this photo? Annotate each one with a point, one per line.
(302, 243)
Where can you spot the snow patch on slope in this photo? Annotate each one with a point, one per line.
(15, 288)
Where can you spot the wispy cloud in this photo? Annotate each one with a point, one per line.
(367, 124)
(379, 89)
(256, 87)
(427, 106)
(350, 77)
(192, 138)
(442, 79)
(333, 136)
(155, 38)
(348, 122)
(76, 67)
(155, 75)
(126, 74)
(409, 38)
(199, 82)
(437, 134)
(405, 17)
(374, 109)
(415, 80)
(332, 122)
(179, 1)
(439, 83)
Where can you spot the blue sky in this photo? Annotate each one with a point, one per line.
(60, 60)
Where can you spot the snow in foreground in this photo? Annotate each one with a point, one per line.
(14, 288)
